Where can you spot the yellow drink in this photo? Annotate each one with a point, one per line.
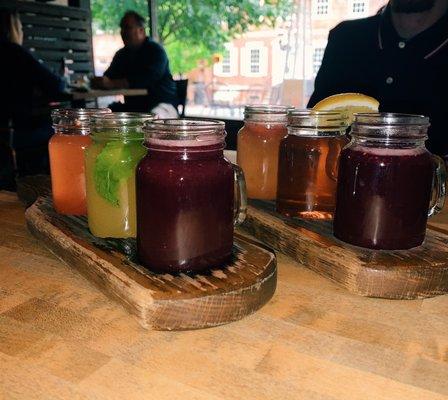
(111, 161)
(105, 218)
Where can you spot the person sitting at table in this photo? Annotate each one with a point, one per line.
(399, 56)
(21, 76)
(141, 63)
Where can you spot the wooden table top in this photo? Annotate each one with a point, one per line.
(60, 338)
(94, 93)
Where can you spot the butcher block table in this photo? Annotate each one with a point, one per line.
(61, 338)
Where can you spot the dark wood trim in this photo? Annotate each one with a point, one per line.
(46, 9)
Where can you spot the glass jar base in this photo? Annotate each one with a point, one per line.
(376, 245)
(292, 209)
(193, 265)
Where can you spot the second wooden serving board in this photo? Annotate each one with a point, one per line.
(406, 274)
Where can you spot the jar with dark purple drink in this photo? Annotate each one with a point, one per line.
(388, 183)
(188, 197)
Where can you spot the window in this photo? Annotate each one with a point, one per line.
(254, 61)
(225, 67)
(318, 55)
(228, 66)
(321, 7)
(358, 8)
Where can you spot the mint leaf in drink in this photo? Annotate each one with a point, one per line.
(115, 163)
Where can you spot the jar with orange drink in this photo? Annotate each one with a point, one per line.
(66, 150)
(258, 145)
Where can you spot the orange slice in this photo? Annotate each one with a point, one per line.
(348, 104)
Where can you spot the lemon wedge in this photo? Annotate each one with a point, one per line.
(348, 104)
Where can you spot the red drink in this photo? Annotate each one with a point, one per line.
(384, 205)
(185, 201)
(384, 186)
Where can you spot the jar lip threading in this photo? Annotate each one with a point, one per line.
(119, 119)
(268, 113)
(390, 119)
(390, 126)
(184, 132)
(317, 120)
(75, 121)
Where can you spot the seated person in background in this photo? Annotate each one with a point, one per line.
(400, 57)
(21, 75)
(141, 63)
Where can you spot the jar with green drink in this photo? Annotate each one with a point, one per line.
(111, 159)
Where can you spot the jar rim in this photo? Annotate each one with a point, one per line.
(266, 109)
(121, 119)
(184, 132)
(75, 121)
(180, 127)
(394, 119)
(390, 126)
(79, 113)
(313, 119)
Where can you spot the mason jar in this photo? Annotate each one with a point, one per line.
(258, 146)
(308, 160)
(117, 147)
(66, 150)
(189, 197)
(387, 179)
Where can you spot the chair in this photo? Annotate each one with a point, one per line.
(181, 88)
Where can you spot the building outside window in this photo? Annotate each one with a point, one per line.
(263, 65)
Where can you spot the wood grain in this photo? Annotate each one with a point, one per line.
(62, 338)
(407, 274)
(159, 301)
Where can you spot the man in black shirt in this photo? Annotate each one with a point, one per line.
(141, 63)
(400, 57)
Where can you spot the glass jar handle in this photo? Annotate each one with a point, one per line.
(240, 202)
(439, 186)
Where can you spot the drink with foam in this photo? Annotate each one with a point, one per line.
(385, 182)
(186, 203)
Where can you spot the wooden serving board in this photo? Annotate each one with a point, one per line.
(404, 274)
(160, 301)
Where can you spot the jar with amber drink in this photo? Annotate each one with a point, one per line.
(258, 144)
(66, 149)
(308, 163)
